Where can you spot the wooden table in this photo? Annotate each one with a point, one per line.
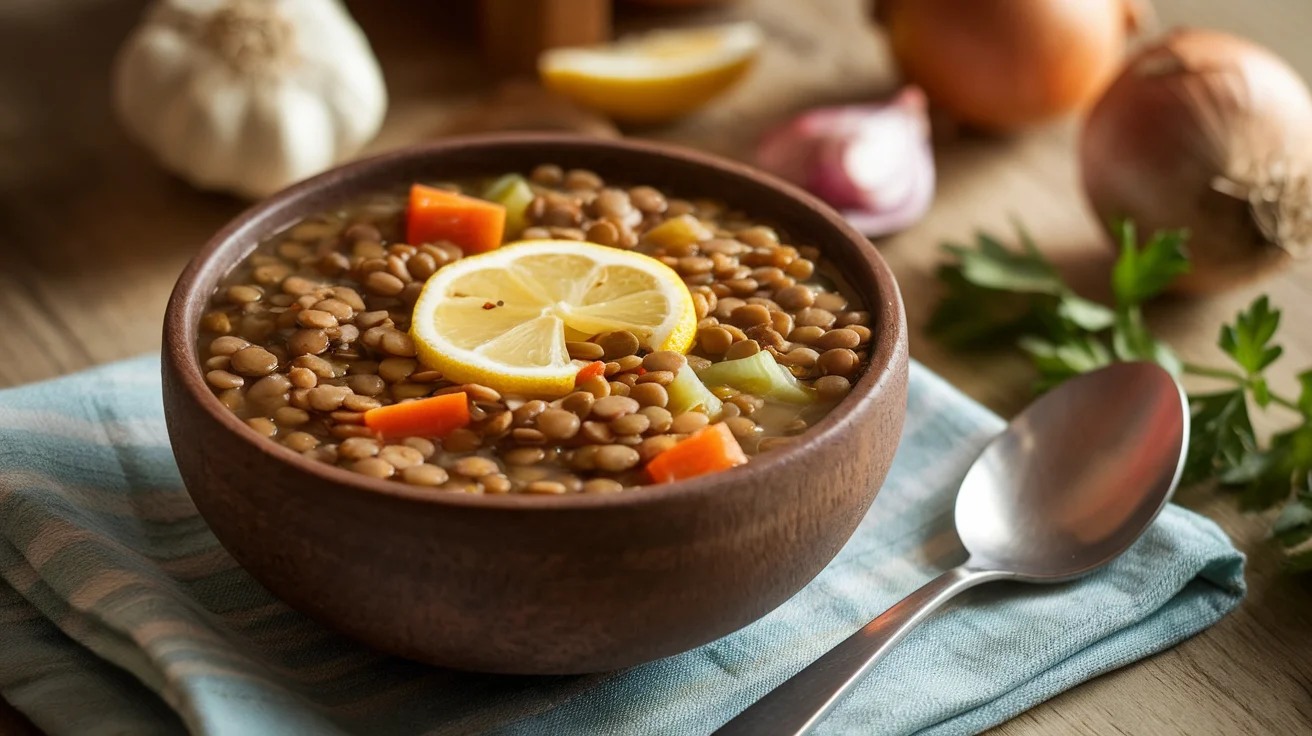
(92, 235)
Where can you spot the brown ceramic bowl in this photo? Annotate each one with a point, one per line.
(531, 584)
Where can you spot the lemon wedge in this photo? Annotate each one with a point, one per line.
(502, 318)
(656, 76)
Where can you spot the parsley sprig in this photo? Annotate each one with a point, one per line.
(995, 294)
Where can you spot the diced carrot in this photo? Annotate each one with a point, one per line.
(436, 416)
(709, 451)
(591, 370)
(475, 225)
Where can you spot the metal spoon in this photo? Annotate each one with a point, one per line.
(1070, 485)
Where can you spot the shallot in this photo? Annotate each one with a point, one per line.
(874, 163)
(1211, 133)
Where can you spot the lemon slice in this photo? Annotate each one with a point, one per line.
(656, 76)
(502, 318)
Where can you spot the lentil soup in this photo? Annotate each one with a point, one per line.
(309, 341)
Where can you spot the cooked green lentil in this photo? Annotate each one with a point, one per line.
(311, 331)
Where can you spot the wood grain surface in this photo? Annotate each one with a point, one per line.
(93, 234)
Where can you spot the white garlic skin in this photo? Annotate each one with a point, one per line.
(249, 96)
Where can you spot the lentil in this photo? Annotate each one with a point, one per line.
(545, 487)
(602, 485)
(290, 416)
(524, 455)
(615, 458)
(743, 349)
(224, 380)
(814, 317)
(496, 483)
(366, 384)
(649, 394)
(425, 447)
(689, 422)
(254, 361)
(832, 388)
(630, 424)
(807, 335)
(425, 475)
(613, 407)
(475, 466)
(373, 467)
(597, 432)
(585, 350)
(300, 441)
(579, 403)
(838, 362)
(839, 338)
(558, 424)
(660, 378)
(307, 342)
(617, 344)
(357, 448)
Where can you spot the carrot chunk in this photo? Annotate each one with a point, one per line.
(473, 224)
(708, 451)
(436, 416)
(591, 370)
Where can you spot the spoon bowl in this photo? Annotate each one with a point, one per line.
(1071, 483)
(1078, 476)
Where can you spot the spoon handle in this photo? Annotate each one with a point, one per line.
(796, 706)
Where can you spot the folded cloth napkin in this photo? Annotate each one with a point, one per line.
(121, 614)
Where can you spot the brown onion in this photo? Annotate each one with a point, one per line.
(1003, 64)
(1211, 133)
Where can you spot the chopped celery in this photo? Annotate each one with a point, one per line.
(687, 393)
(512, 192)
(678, 231)
(760, 375)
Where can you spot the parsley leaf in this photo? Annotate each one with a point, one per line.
(1058, 361)
(1131, 340)
(1247, 343)
(1293, 531)
(1142, 272)
(1272, 474)
(969, 315)
(1082, 313)
(994, 293)
(1221, 435)
(995, 266)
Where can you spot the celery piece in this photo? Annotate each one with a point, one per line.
(678, 231)
(760, 375)
(687, 393)
(512, 192)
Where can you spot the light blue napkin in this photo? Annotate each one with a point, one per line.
(120, 613)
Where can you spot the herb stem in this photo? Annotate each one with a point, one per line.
(1237, 378)
(1285, 402)
(1225, 375)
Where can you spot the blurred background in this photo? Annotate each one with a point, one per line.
(94, 228)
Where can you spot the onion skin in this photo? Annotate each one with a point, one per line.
(1192, 124)
(1000, 65)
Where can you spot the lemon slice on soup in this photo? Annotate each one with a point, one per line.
(502, 318)
(655, 76)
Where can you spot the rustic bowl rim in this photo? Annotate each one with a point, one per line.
(890, 346)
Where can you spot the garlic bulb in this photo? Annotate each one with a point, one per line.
(249, 96)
